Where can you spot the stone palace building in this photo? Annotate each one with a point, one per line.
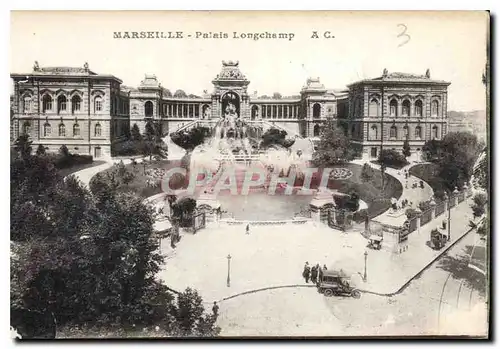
(91, 112)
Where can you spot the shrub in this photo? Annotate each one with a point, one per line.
(360, 216)
(366, 173)
(40, 150)
(392, 158)
(411, 213)
(349, 202)
(478, 208)
(424, 205)
(129, 147)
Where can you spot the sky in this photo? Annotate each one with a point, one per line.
(451, 44)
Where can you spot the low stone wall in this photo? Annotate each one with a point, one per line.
(280, 222)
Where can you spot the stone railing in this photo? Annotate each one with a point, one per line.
(432, 213)
(298, 220)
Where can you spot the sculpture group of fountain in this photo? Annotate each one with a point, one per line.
(230, 146)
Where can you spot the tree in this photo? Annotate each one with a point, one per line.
(366, 173)
(457, 154)
(92, 259)
(150, 132)
(392, 158)
(135, 133)
(23, 146)
(64, 151)
(334, 147)
(275, 137)
(406, 148)
(40, 150)
(431, 150)
(189, 140)
(180, 94)
(481, 171)
(182, 211)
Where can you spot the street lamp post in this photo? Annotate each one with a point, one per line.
(449, 215)
(364, 274)
(228, 270)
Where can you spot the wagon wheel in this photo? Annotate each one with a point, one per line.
(328, 292)
(356, 294)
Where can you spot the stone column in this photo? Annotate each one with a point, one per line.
(419, 214)
(433, 209)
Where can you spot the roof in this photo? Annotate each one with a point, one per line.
(397, 77)
(63, 71)
(335, 273)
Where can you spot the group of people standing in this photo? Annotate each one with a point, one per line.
(314, 273)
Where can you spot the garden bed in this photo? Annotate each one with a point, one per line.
(430, 173)
(370, 191)
(139, 183)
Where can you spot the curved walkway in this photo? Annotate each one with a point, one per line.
(413, 195)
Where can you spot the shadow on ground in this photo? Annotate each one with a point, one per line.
(459, 268)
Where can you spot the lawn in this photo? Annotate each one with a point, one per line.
(138, 184)
(370, 192)
(429, 173)
(69, 170)
(378, 201)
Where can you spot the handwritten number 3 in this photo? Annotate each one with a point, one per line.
(403, 34)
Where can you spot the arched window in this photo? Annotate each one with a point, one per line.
(418, 132)
(316, 130)
(97, 130)
(374, 132)
(76, 130)
(373, 109)
(61, 104)
(62, 130)
(97, 104)
(47, 130)
(27, 104)
(393, 132)
(435, 133)
(393, 108)
(435, 108)
(418, 108)
(75, 104)
(255, 112)
(46, 103)
(316, 110)
(405, 131)
(406, 108)
(26, 128)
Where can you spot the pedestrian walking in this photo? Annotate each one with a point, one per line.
(215, 309)
(320, 273)
(306, 272)
(248, 229)
(314, 274)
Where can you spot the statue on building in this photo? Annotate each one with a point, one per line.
(86, 66)
(36, 67)
(428, 74)
(385, 73)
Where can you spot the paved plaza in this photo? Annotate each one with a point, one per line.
(435, 303)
